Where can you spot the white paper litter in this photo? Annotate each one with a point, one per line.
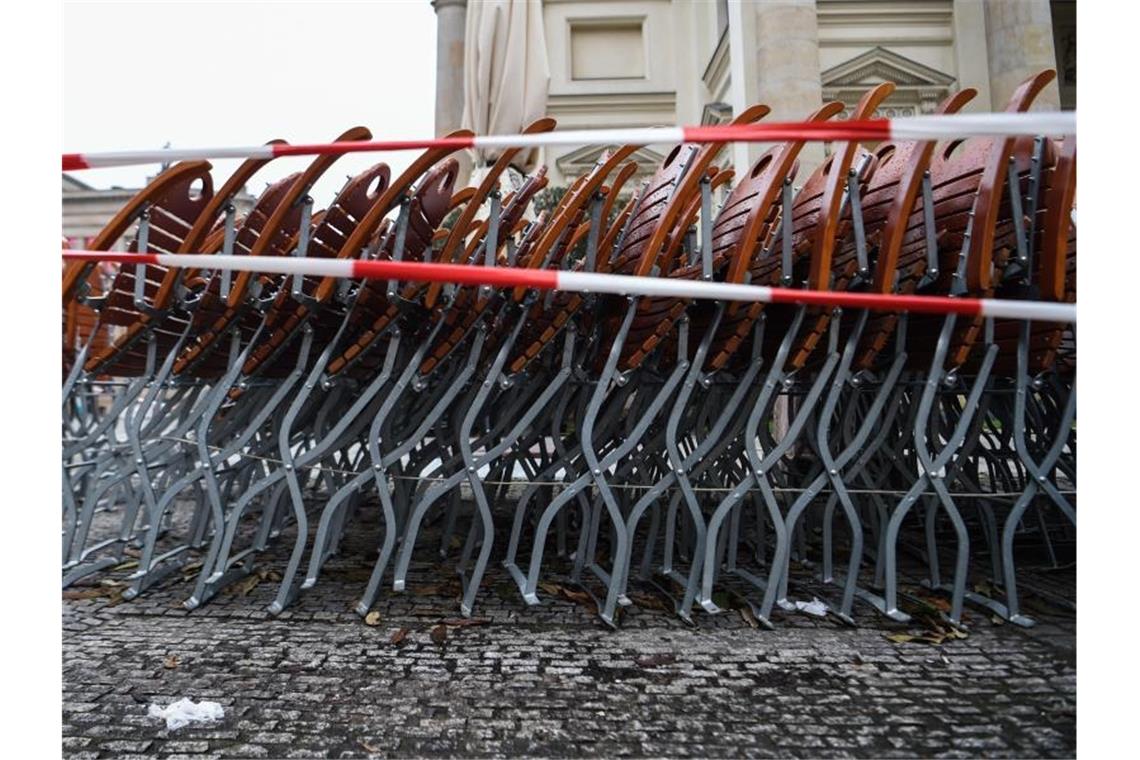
(184, 712)
(814, 607)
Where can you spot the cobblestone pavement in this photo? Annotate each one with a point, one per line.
(317, 681)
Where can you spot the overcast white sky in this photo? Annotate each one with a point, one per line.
(206, 74)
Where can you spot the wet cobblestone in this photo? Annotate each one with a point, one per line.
(316, 681)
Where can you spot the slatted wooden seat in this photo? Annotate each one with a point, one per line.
(217, 314)
(277, 355)
(172, 210)
(374, 312)
(470, 303)
(644, 225)
(897, 237)
(970, 180)
(1054, 259)
(549, 315)
(127, 356)
(819, 226)
(211, 316)
(656, 316)
(746, 220)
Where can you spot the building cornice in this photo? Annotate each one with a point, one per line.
(438, 4)
(115, 194)
(650, 102)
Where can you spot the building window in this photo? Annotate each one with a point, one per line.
(609, 49)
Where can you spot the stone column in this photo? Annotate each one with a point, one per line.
(451, 25)
(970, 52)
(786, 65)
(1019, 43)
(451, 31)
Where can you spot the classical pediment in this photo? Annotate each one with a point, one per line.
(578, 162)
(918, 86)
(881, 65)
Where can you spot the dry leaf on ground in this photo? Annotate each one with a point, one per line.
(653, 660)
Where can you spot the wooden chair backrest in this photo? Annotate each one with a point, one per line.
(572, 202)
(979, 263)
(1058, 222)
(429, 205)
(170, 190)
(398, 187)
(329, 231)
(906, 165)
(827, 222)
(286, 217)
(489, 183)
(687, 189)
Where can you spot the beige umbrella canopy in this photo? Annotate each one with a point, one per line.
(505, 70)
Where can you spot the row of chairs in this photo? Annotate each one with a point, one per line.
(676, 444)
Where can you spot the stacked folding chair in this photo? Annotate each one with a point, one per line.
(670, 444)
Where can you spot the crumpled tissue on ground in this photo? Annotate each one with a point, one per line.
(814, 607)
(184, 711)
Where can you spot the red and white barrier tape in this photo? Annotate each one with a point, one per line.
(588, 282)
(933, 127)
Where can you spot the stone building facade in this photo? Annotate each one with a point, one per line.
(86, 209)
(626, 63)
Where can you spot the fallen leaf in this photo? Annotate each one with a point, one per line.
(128, 565)
(113, 594)
(372, 618)
(83, 593)
(247, 585)
(985, 588)
(371, 749)
(939, 603)
(398, 637)
(653, 660)
(170, 662)
(435, 589)
(649, 602)
(439, 634)
(749, 618)
(900, 638)
(578, 597)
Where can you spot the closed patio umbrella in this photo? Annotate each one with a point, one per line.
(506, 73)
